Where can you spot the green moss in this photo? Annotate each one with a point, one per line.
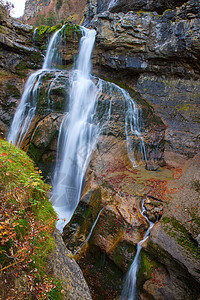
(147, 266)
(2, 29)
(22, 228)
(182, 236)
(34, 152)
(13, 91)
(21, 67)
(55, 293)
(54, 28)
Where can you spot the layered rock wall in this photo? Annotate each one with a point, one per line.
(158, 56)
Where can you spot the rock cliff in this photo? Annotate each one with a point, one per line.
(153, 48)
(49, 12)
(150, 48)
(158, 56)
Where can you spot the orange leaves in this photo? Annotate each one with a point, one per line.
(157, 188)
(10, 160)
(3, 154)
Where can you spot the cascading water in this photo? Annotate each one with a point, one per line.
(132, 128)
(28, 104)
(135, 143)
(129, 291)
(111, 4)
(80, 128)
(78, 135)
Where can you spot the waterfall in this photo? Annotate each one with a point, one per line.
(78, 135)
(132, 129)
(111, 4)
(27, 108)
(129, 291)
(134, 137)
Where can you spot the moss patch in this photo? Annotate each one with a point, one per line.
(148, 265)
(182, 236)
(12, 90)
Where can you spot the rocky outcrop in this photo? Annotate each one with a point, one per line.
(112, 196)
(32, 7)
(158, 56)
(74, 286)
(159, 6)
(95, 7)
(176, 238)
(22, 51)
(17, 56)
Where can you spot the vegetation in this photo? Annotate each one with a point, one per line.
(27, 221)
(6, 5)
(58, 4)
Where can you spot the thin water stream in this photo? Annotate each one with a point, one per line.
(129, 291)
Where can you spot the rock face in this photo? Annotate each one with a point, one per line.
(69, 273)
(156, 52)
(175, 238)
(17, 55)
(22, 52)
(159, 6)
(95, 7)
(158, 55)
(48, 12)
(32, 7)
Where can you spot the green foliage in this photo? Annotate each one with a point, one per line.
(21, 228)
(51, 19)
(27, 220)
(55, 293)
(58, 4)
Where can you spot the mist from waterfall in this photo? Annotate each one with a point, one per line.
(27, 107)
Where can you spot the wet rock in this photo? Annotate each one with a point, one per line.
(42, 142)
(152, 166)
(154, 210)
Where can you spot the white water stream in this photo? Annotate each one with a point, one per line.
(27, 108)
(78, 135)
(129, 291)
